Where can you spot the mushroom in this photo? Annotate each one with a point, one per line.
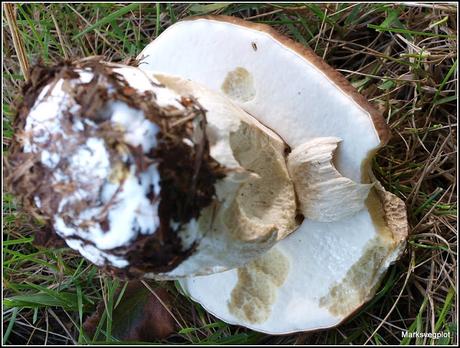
(353, 229)
(148, 180)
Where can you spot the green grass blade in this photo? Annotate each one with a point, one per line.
(106, 20)
(353, 15)
(445, 100)
(157, 19)
(445, 309)
(452, 69)
(320, 14)
(34, 301)
(430, 199)
(10, 325)
(199, 9)
(35, 317)
(172, 14)
(294, 31)
(27, 240)
(32, 26)
(99, 327)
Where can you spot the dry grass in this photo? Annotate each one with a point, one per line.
(403, 58)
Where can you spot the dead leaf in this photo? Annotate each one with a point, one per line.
(139, 316)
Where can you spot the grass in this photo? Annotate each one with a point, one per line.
(403, 58)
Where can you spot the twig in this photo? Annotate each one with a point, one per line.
(62, 325)
(263, 14)
(17, 40)
(427, 5)
(162, 302)
(58, 31)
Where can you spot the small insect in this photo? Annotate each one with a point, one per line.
(131, 61)
(254, 46)
(186, 101)
(129, 91)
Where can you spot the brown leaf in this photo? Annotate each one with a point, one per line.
(139, 316)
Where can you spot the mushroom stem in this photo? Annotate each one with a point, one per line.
(148, 177)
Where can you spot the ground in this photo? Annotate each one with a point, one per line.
(403, 58)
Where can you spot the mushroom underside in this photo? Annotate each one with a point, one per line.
(352, 231)
(314, 278)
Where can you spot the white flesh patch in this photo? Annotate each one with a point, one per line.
(95, 255)
(323, 193)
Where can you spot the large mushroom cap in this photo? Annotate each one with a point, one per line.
(326, 269)
(281, 83)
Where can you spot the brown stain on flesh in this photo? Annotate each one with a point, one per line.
(376, 212)
(373, 202)
(239, 85)
(388, 215)
(388, 212)
(258, 283)
(265, 204)
(360, 280)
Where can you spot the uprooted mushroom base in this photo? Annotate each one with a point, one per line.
(186, 169)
